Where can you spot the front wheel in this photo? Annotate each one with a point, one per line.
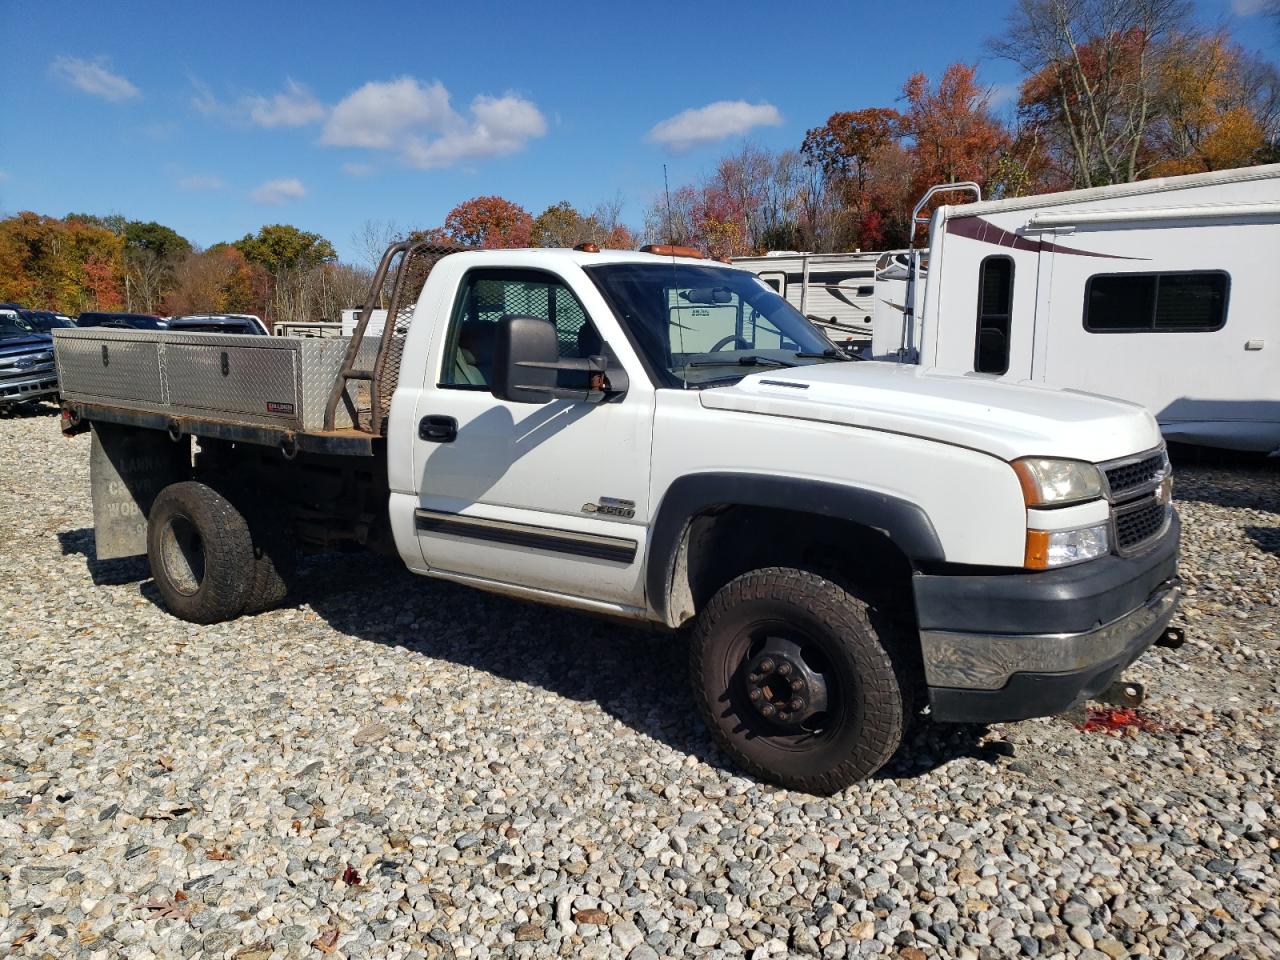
(796, 682)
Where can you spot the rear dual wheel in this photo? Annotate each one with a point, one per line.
(209, 563)
(797, 682)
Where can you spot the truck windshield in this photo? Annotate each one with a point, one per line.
(701, 326)
(11, 326)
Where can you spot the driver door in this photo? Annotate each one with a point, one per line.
(550, 497)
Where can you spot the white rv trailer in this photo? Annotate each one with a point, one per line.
(834, 290)
(1164, 292)
(352, 316)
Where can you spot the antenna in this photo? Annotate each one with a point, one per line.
(666, 186)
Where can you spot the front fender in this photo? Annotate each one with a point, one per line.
(904, 523)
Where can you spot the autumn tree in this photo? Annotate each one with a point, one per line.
(489, 222)
(67, 265)
(853, 196)
(1092, 80)
(562, 225)
(293, 260)
(151, 251)
(846, 146)
(1218, 107)
(217, 280)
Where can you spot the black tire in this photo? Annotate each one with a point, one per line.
(855, 664)
(275, 560)
(200, 552)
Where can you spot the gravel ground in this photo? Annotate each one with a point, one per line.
(403, 768)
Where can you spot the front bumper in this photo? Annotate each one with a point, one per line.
(1019, 645)
(32, 386)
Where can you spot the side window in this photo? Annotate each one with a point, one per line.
(1156, 302)
(486, 296)
(995, 314)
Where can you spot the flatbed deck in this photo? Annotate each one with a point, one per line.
(270, 391)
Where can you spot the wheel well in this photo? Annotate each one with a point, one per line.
(721, 543)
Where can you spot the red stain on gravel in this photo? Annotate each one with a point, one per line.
(1117, 720)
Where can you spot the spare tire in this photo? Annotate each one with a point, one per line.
(201, 553)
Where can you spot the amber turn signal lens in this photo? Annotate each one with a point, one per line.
(1036, 556)
(672, 250)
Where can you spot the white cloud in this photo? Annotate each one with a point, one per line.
(273, 193)
(378, 114)
(715, 121)
(93, 77)
(498, 126)
(403, 115)
(1248, 8)
(200, 184)
(295, 107)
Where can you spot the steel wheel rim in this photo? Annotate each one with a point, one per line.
(182, 554)
(746, 647)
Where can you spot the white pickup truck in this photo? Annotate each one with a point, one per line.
(654, 436)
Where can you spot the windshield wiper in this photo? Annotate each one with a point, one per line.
(749, 361)
(831, 353)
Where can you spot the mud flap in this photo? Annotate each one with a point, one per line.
(127, 468)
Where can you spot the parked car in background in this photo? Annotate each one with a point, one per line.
(42, 321)
(245, 323)
(127, 321)
(26, 361)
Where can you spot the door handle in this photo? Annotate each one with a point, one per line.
(437, 429)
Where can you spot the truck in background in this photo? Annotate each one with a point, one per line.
(1161, 292)
(27, 371)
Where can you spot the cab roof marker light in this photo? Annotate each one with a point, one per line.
(672, 250)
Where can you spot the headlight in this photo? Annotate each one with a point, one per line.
(1059, 548)
(1057, 483)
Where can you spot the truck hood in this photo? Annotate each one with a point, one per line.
(20, 346)
(1002, 419)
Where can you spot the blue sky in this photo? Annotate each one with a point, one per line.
(216, 118)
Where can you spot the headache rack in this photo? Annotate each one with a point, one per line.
(365, 390)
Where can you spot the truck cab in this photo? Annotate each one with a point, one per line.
(654, 436)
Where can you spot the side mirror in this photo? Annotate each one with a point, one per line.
(519, 342)
(526, 361)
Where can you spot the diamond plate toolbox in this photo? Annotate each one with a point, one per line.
(264, 381)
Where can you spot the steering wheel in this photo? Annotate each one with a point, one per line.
(725, 341)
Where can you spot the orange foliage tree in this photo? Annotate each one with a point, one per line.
(489, 222)
(65, 265)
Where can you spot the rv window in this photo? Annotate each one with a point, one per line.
(995, 308)
(1160, 302)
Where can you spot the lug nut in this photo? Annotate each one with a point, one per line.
(796, 684)
(784, 717)
(754, 694)
(766, 666)
(797, 704)
(755, 678)
(784, 668)
(767, 710)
